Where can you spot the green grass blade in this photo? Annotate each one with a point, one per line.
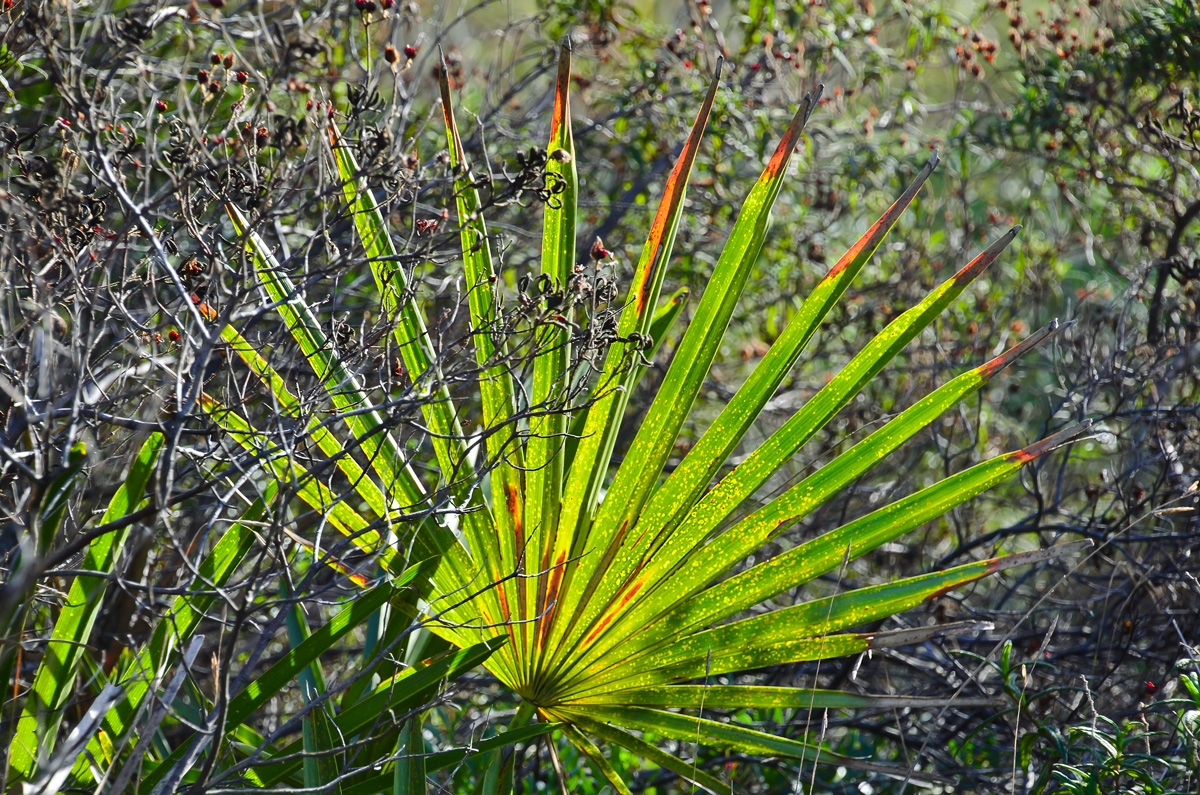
(651, 753)
(548, 425)
(671, 502)
(54, 681)
(641, 467)
(594, 451)
(664, 581)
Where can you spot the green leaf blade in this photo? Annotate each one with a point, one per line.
(651, 446)
(595, 448)
(548, 424)
(669, 504)
(54, 680)
(670, 580)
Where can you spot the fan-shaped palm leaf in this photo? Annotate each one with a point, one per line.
(621, 597)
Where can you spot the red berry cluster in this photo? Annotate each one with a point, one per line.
(976, 43)
(1055, 32)
(392, 55)
(218, 61)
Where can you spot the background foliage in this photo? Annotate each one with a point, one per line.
(1075, 119)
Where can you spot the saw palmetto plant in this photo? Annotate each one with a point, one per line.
(610, 583)
(613, 599)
